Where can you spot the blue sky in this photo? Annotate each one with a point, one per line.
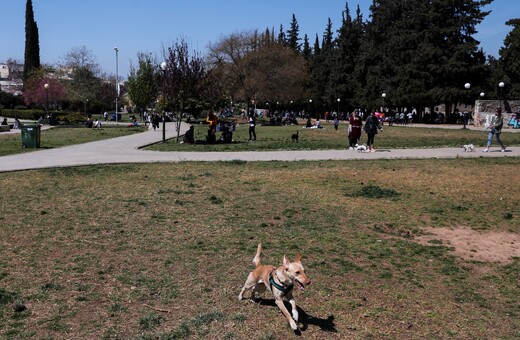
(147, 25)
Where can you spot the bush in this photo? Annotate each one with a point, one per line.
(63, 117)
(23, 114)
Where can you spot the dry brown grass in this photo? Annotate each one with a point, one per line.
(161, 251)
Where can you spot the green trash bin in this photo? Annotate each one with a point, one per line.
(30, 135)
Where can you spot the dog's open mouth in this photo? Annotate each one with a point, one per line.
(299, 284)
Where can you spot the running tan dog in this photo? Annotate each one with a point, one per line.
(279, 281)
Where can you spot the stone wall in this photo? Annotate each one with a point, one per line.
(486, 109)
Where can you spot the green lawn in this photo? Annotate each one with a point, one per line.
(160, 251)
(63, 136)
(279, 138)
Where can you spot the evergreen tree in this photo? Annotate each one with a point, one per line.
(281, 36)
(455, 56)
(326, 44)
(420, 53)
(321, 72)
(316, 48)
(350, 36)
(293, 39)
(32, 44)
(510, 60)
(306, 48)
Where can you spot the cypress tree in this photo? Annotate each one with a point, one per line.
(32, 44)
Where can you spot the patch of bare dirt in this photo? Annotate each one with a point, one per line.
(485, 246)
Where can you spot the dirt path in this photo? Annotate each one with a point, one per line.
(486, 246)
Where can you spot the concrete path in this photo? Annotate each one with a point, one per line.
(126, 150)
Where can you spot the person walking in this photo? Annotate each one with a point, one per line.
(252, 124)
(155, 121)
(354, 129)
(371, 127)
(496, 129)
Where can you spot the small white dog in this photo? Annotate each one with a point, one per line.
(361, 148)
(469, 148)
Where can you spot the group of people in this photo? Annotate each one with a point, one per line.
(93, 124)
(372, 125)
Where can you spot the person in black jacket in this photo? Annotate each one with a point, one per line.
(371, 127)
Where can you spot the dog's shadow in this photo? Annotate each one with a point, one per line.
(306, 319)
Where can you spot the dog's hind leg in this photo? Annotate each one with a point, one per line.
(250, 283)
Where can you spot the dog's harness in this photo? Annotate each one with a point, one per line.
(282, 288)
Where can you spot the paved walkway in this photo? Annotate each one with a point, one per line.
(127, 150)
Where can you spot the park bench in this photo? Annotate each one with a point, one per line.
(5, 128)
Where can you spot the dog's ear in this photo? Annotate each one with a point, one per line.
(298, 258)
(286, 262)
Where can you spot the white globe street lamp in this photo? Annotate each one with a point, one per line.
(501, 86)
(467, 86)
(46, 87)
(163, 68)
(117, 80)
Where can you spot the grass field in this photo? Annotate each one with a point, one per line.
(279, 138)
(63, 136)
(160, 251)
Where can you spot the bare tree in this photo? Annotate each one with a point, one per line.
(183, 79)
(228, 58)
(80, 66)
(253, 67)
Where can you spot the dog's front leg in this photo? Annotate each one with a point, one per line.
(293, 305)
(279, 303)
(294, 309)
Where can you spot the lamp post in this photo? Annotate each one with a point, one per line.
(467, 86)
(163, 68)
(310, 111)
(500, 87)
(117, 76)
(46, 87)
(383, 95)
(338, 100)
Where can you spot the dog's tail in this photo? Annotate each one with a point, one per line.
(256, 259)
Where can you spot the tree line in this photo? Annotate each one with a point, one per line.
(418, 53)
